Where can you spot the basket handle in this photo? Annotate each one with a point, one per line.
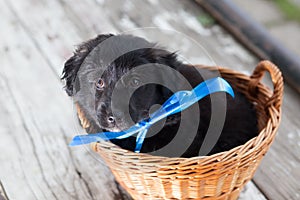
(276, 76)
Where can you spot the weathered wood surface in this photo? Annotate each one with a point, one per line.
(3, 195)
(37, 118)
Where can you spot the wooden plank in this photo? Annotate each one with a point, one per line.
(40, 36)
(3, 195)
(132, 21)
(44, 32)
(37, 163)
(278, 175)
(251, 192)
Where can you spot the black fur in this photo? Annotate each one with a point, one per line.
(87, 65)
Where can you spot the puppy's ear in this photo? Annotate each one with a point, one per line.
(164, 57)
(70, 70)
(72, 65)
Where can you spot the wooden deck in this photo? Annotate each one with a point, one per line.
(37, 118)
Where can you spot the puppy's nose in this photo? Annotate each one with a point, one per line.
(111, 119)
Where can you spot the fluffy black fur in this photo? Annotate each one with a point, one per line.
(91, 76)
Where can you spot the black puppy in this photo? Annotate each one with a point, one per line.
(118, 81)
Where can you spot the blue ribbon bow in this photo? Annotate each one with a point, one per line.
(178, 102)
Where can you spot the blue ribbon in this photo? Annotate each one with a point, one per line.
(178, 102)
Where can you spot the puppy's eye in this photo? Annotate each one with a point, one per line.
(135, 82)
(100, 84)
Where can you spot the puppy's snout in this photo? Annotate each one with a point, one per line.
(105, 116)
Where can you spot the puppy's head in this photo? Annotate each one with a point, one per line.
(117, 79)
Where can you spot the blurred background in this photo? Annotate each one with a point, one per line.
(37, 119)
(280, 17)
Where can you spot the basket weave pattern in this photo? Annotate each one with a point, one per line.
(219, 176)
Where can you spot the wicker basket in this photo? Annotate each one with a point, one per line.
(219, 176)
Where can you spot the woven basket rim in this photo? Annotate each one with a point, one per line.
(218, 156)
